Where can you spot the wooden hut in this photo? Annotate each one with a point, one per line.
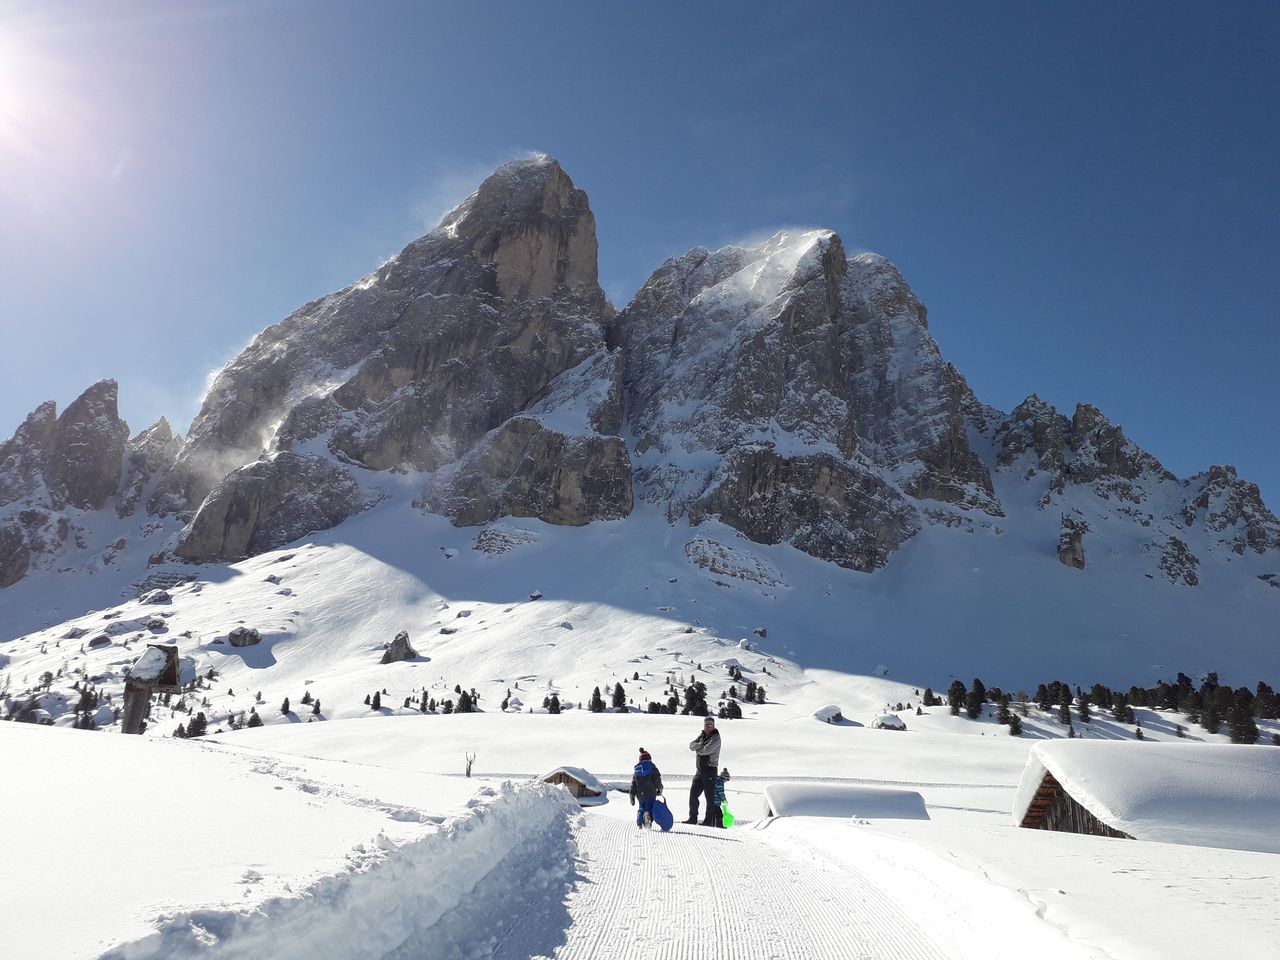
(1206, 794)
(1053, 808)
(582, 785)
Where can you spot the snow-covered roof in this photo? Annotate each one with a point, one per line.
(1210, 795)
(150, 665)
(587, 779)
(842, 800)
(889, 721)
(828, 713)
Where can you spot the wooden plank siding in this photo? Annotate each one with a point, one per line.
(1052, 808)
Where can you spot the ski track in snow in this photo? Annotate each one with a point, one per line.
(697, 892)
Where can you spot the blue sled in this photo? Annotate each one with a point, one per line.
(662, 815)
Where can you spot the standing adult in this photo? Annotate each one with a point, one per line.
(706, 749)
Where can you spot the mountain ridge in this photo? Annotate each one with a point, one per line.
(787, 390)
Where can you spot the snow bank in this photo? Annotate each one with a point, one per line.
(227, 852)
(1210, 795)
(514, 846)
(842, 800)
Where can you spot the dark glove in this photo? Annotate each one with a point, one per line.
(633, 801)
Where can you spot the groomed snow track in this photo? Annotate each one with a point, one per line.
(700, 893)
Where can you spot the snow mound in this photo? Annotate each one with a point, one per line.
(1209, 795)
(842, 800)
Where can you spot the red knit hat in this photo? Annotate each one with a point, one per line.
(644, 754)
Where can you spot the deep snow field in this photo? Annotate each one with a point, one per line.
(350, 832)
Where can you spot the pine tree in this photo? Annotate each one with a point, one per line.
(306, 697)
(554, 706)
(973, 702)
(1015, 725)
(1083, 709)
(284, 707)
(1064, 714)
(597, 701)
(377, 701)
(1210, 719)
(366, 701)
(465, 703)
(955, 697)
(733, 711)
(315, 707)
(1240, 719)
(505, 702)
(636, 675)
(619, 697)
(198, 726)
(181, 732)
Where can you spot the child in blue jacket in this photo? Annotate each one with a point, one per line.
(646, 784)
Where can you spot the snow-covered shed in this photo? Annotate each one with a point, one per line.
(588, 790)
(888, 721)
(1210, 795)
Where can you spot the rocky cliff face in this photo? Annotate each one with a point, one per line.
(795, 393)
(413, 367)
(787, 390)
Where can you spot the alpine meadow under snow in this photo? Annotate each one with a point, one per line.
(464, 520)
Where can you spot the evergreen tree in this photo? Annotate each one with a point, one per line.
(673, 704)
(181, 732)
(1015, 725)
(1004, 714)
(366, 700)
(597, 702)
(929, 699)
(198, 726)
(619, 697)
(306, 697)
(1138, 733)
(1064, 714)
(377, 701)
(973, 703)
(465, 703)
(636, 675)
(956, 697)
(446, 707)
(1210, 719)
(1240, 719)
(979, 690)
(315, 707)
(1083, 709)
(506, 702)
(734, 712)
(554, 706)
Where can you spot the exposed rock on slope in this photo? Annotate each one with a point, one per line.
(267, 504)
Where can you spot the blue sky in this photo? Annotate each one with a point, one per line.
(1084, 194)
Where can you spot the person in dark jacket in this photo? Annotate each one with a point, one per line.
(706, 749)
(646, 784)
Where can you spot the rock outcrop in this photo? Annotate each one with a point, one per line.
(1071, 542)
(400, 649)
(266, 505)
(148, 456)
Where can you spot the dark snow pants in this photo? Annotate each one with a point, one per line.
(704, 785)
